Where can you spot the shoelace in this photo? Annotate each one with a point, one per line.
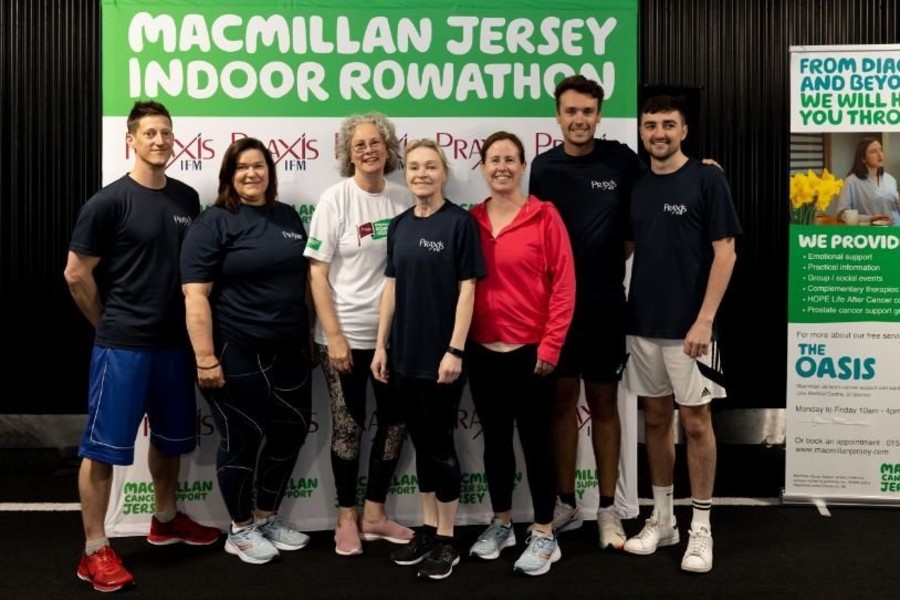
(540, 545)
(651, 528)
(698, 543)
(107, 561)
(496, 532)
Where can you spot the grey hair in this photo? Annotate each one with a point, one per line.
(385, 129)
(427, 143)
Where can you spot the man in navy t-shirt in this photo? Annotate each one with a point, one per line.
(589, 181)
(122, 271)
(684, 225)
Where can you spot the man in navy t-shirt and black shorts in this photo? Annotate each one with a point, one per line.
(122, 271)
(684, 225)
(589, 181)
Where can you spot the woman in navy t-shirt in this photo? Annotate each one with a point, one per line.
(433, 260)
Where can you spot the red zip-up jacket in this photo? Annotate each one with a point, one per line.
(528, 296)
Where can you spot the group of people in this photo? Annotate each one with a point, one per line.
(398, 287)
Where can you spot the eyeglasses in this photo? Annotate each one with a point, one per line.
(362, 147)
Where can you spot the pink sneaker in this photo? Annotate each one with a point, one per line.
(388, 530)
(346, 539)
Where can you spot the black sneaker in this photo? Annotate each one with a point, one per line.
(440, 561)
(415, 550)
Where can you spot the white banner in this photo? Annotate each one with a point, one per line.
(310, 502)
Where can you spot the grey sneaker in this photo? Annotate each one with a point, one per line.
(565, 517)
(250, 546)
(654, 535)
(493, 540)
(698, 558)
(542, 551)
(283, 536)
(609, 524)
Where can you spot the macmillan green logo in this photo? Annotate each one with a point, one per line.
(193, 490)
(585, 479)
(401, 485)
(140, 496)
(474, 487)
(302, 487)
(314, 243)
(306, 212)
(381, 228)
(890, 477)
(273, 57)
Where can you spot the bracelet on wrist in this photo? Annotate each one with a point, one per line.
(455, 352)
(217, 364)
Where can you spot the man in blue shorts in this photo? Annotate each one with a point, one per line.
(684, 225)
(122, 271)
(589, 181)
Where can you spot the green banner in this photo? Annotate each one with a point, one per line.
(844, 273)
(317, 59)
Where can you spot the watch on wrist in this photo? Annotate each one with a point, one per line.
(455, 352)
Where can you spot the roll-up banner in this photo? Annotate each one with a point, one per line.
(288, 73)
(843, 395)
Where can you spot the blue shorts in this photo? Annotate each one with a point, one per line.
(125, 385)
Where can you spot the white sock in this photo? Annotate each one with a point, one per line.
(662, 503)
(166, 516)
(702, 508)
(91, 546)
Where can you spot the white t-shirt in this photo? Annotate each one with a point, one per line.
(348, 230)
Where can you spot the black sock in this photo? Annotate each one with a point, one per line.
(606, 501)
(568, 499)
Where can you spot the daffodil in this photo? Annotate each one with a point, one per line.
(810, 192)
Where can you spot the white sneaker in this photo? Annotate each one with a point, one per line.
(609, 524)
(653, 536)
(565, 518)
(698, 558)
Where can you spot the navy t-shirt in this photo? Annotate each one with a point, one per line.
(137, 233)
(428, 257)
(591, 193)
(675, 218)
(254, 258)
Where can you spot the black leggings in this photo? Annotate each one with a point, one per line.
(431, 410)
(348, 418)
(504, 388)
(263, 414)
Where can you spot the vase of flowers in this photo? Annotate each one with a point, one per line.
(811, 194)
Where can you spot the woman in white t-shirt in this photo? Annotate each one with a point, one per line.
(347, 250)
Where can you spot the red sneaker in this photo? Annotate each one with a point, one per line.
(103, 569)
(181, 529)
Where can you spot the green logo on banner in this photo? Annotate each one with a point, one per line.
(303, 487)
(281, 59)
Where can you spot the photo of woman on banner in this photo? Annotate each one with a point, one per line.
(244, 279)
(523, 309)
(433, 261)
(868, 189)
(347, 250)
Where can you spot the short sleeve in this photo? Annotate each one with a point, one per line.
(201, 252)
(389, 269)
(722, 220)
(95, 228)
(469, 260)
(324, 231)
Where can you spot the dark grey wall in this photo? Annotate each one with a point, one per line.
(735, 50)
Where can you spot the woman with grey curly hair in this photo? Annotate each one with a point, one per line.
(347, 249)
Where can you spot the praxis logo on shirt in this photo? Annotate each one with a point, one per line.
(605, 186)
(431, 246)
(180, 220)
(292, 235)
(675, 209)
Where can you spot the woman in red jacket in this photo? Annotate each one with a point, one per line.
(522, 312)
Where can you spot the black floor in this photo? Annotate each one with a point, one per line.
(760, 552)
(766, 552)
